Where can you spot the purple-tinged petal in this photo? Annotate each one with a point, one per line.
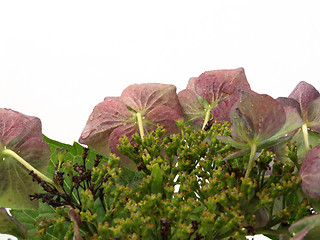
(156, 102)
(21, 134)
(215, 86)
(191, 106)
(293, 117)
(262, 217)
(160, 115)
(242, 129)
(126, 130)
(140, 105)
(99, 142)
(301, 235)
(144, 97)
(112, 98)
(306, 228)
(210, 92)
(289, 103)
(164, 116)
(304, 93)
(314, 115)
(190, 84)
(294, 121)
(105, 117)
(222, 111)
(310, 173)
(16, 126)
(35, 151)
(256, 117)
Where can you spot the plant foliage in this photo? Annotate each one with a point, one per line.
(215, 161)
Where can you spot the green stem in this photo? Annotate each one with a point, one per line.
(251, 160)
(8, 152)
(140, 125)
(206, 118)
(305, 136)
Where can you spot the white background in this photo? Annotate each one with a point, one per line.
(58, 59)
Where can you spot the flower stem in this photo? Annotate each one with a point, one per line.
(206, 118)
(305, 136)
(140, 125)
(251, 160)
(8, 152)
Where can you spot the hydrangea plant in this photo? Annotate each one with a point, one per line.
(212, 95)
(215, 161)
(140, 108)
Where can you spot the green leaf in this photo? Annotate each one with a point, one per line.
(131, 109)
(157, 179)
(74, 154)
(204, 103)
(231, 142)
(10, 225)
(237, 154)
(133, 178)
(29, 217)
(195, 214)
(271, 236)
(264, 145)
